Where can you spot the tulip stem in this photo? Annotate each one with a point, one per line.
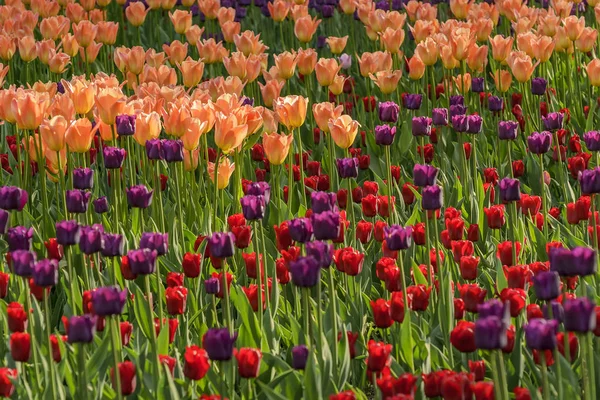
(306, 312)
(178, 188)
(301, 166)
(502, 375)
(83, 376)
(157, 188)
(259, 278)
(216, 184)
(116, 350)
(153, 342)
(227, 314)
(290, 182)
(388, 163)
(333, 294)
(49, 329)
(544, 201)
(31, 329)
(545, 383)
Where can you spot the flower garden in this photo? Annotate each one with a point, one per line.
(307, 199)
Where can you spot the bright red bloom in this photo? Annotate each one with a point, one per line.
(248, 360)
(236, 220)
(572, 214)
(369, 205)
(357, 195)
(534, 311)
(573, 344)
(407, 193)
(17, 317)
(56, 356)
(220, 277)
(250, 263)
(243, 235)
(55, 250)
(468, 267)
(473, 233)
(196, 363)
(459, 308)
(397, 307)
(364, 230)
(495, 216)
(418, 233)
(370, 187)
(379, 230)
(505, 252)
(517, 276)
(173, 324)
(396, 171)
(393, 279)
(518, 168)
(170, 362)
(427, 152)
(191, 264)
(462, 336)
(418, 297)
(174, 279)
(483, 390)
(516, 299)
(20, 346)
(252, 295)
(281, 269)
(521, 393)
(530, 205)
(432, 382)
(176, 299)
(462, 248)
(382, 266)
(283, 240)
(455, 227)
(127, 372)
(353, 262)
(4, 278)
(7, 376)
(477, 368)
(126, 329)
(381, 313)
(490, 175)
(342, 198)
(391, 387)
(347, 395)
(379, 355)
(472, 295)
(457, 387)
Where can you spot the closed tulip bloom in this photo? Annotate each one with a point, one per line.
(300, 229)
(421, 126)
(212, 285)
(101, 205)
(147, 126)
(125, 124)
(439, 116)
(154, 149)
(580, 261)
(580, 315)
(253, 207)
(538, 86)
(477, 85)
(176, 298)
(83, 178)
(397, 237)
(413, 101)
(540, 334)
(384, 135)
(432, 198)
(277, 147)
(81, 329)
(388, 111)
(91, 239)
(155, 241)
(593, 72)
(553, 121)
(113, 157)
(507, 130)
(77, 201)
(306, 61)
(13, 198)
(495, 103)
(218, 343)
(173, 150)
(305, 271)
(248, 360)
(490, 333)
(196, 363)
(291, 111)
(16, 317)
(546, 285)
(510, 190)
(221, 244)
(322, 201)
(20, 346)
(19, 238)
(326, 70)
(424, 175)
(320, 251)
(225, 170)
(29, 109)
(592, 140)
(326, 225)
(387, 81)
(79, 135)
(45, 273)
(113, 245)
(299, 357)
(139, 196)
(23, 262)
(540, 142)
(108, 300)
(324, 113)
(305, 28)
(347, 167)
(589, 181)
(474, 124)
(53, 132)
(259, 189)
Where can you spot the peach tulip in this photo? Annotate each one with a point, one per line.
(324, 112)
(229, 133)
(53, 132)
(79, 135)
(277, 147)
(326, 70)
(224, 172)
(343, 131)
(291, 111)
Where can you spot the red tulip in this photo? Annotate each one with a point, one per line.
(573, 344)
(55, 250)
(473, 233)
(490, 175)
(4, 278)
(472, 295)
(468, 267)
(397, 307)
(418, 297)
(477, 368)
(243, 236)
(364, 230)
(457, 386)
(381, 313)
(379, 355)
(407, 193)
(56, 356)
(20, 346)
(518, 168)
(383, 207)
(483, 390)
(196, 363)
(248, 362)
(521, 393)
(126, 329)
(462, 248)
(7, 377)
(250, 263)
(379, 230)
(176, 300)
(127, 373)
(283, 240)
(191, 264)
(369, 205)
(455, 227)
(432, 382)
(352, 261)
(17, 317)
(283, 274)
(252, 295)
(517, 276)
(533, 312)
(168, 361)
(405, 384)
(495, 216)
(418, 234)
(505, 252)
(174, 279)
(459, 308)
(530, 205)
(462, 337)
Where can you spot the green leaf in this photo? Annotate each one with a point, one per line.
(140, 309)
(270, 393)
(406, 341)
(99, 357)
(163, 341)
(312, 384)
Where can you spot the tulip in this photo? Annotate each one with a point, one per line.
(45, 273)
(299, 357)
(253, 207)
(13, 198)
(113, 245)
(421, 126)
(155, 241)
(432, 198)
(77, 201)
(81, 329)
(539, 143)
(347, 167)
(218, 343)
(225, 170)
(79, 135)
(23, 262)
(83, 178)
(580, 261)
(113, 157)
(589, 181)
(16, 317)
(305, 271)
(4, 215)
(507, 130)
(19, 238)
(139, 196)
(424, 175)
(196, 363)
(248, 362)
(343, 130)
(320, 251)
(20, 346)
(107, 301)
(101, 205)
(305, 27)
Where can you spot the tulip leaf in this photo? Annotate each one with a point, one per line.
(406, 341)
(97, 360)
(270, 393)
(140, 308)
(312, 386)
(163, 341)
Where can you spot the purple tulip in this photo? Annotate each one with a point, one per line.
(460, 123)
(113, 245)
(580, 261)
(546, 285)
(540, 334)
(474, 124)
(589, 180)
(154, 149)
(510, 190)
(45, 273)
(347, 167)
(477, 85)
(218, 343)
(432, 198)
(494, 308)
(155, 241)
(299, 357)
(139, 196)
(260, 189)
(3, 221)
(457, 100)
(125, 124)
(457, 109)
(553, 121)
(212, 285)
(305, 271)
(13, 198)
(83, 178)
(439, 116)
(553, 310)
(398, 238)
(322, 201)
(253, 207)
(490, 333)
(113, 157)
(77, 201)
(67, 233)
(220, 244)
(580, 315)
(539, 142)
(91, 240)
(424, 175)
(388, 111)
(326, 225)
(19, 238)
(507, 130)
(300, 230)
(412, 101)
(81, 329)
(384, 135)
(142, 261)
(173, 150)
(538, 86)
(495, 104)
(108, 300)
(421, 126)
(320, 251)
(101, 205)
(23, 262)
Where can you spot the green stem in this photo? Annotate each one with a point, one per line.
(153, 342)
(545, 383)
(116, 350)
(49, 330)
(83, 376)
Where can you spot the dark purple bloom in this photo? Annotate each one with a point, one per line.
(113, 157)
(321, 40)
(101, 205)
(299, 357)
(553, 121)
(477, 85)
(412, 101)
(326, 225)
(91, 240)
(125, 124)
(457, 109)
(553, 310)
(474, 123)
(327, 11)
(539, 142)
(457, 100)
(580, 261)
(347, 167)
(113, 245)
(253, 207)
(589, 180)
(77, 201)
(218, 343)
(397, 237)
(384, 135)
(142, 261)
(23, 262)
(510, 190)
(45, 273)
(81, 329)
(300, 230)
(460, 123)
(139, 196)
(3, 221)
(490, 333)
(154, 149)
(320, 251)
(305, 271)
(212, 285)
(260, 189)
(83, 178)
(538, 86)
(540, 334)
(322, 201)
(546, 285)
(155, 241)
(19, 238)
(108, 300)
(432, 198)
(12, 198)
(494, 308)
(439, 116)
(580, 315)
(421, 126)
(220, 244)
(67, 233)
(592, 140)
(495, 103)
(507, 130)
(247, 101)
(173, 150)
(388, 111)
(424, 175)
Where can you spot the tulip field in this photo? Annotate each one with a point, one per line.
(299, 199)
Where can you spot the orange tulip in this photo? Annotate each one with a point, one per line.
(501, 47)
(90, 53)
(204, 112)
(286, 64)
(225, 15)
(483, 29)
(277, 147)
(245, 68)
(175, 119)
(574, 27)
(593, 72)
(79, 136)
(249, 43)
(53, 132)
(337, 44)
(324, 112)
(427, 51)
(54, 27)
(8, 47)
(459, 8)
(85, 33)
(462, 83)
(387, 81)
(343, 131)
(337, 86)
(45, 50)
(191, 72)
(547, 24)
(107, 32)
(278, 10)
(271, 91)
(110, 102)
(27, 48)
(477, 58)
(134, 62)
(230, 29)
(147, 126)
(177, 52)
(190, 161)
(191, 137)
(461, 40)
(212, 52)
(58, 62)
(181, 20)
(392, 40)
(224, 172)
(229, 133)
(521, 66)
(306, 61)
(75, 12)
(81, 93)
(6, 111)
(305, 28)
(348, 6)
(502, 80)
(416, 68)
(523, 25)
(291, 111)
(136, 13)
(587, 40)
(29, 108)
(326, 70)
(562, 42)
(298, 11)
(193, 35)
